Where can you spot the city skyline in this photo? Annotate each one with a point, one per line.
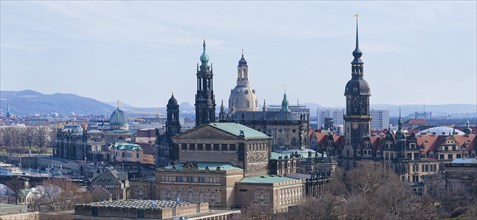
(128, 51)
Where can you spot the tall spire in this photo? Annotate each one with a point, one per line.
(222, 108)
(222, 112)
(204, 58)
(285, 103)
(400, 120)
(357, 63)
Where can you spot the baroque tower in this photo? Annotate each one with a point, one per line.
(173, 127)
(204, 99)
(242, 97)
(357, 118)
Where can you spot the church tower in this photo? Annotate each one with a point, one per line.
(242, 97)
(357, 118)
(204, 99)
(173, 128)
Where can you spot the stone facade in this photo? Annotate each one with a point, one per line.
(126, 152)
(71, 143)
(204, 182)
(287, 129)
(115, 182)
(211, 143)
(142, 188)
(269, 193)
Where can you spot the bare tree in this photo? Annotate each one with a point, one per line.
(41, 136)
(29, 136)
(253, 213)
(55, 195)
(327, 207)
(15, 184)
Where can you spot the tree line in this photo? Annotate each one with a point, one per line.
(27, 136)
(372, 192)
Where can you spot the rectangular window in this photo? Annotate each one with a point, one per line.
(216, 147)
(457, 156)
(232, 147)
(200, 147)
(243, 190)
(224, 147)
(441, 156)
(450, 156)
(184, 146)
(208, 147)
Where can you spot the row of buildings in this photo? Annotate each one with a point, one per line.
(268, 158)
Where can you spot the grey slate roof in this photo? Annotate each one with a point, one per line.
(261, 115)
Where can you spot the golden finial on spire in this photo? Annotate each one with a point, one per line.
(117, 102)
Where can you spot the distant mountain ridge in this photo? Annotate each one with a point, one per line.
(29, 102)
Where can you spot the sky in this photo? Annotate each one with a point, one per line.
(143, 51)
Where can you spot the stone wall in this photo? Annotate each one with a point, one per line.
(22, 216)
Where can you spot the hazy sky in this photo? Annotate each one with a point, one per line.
(140, 52)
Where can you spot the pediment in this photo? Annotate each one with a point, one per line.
(206, 132)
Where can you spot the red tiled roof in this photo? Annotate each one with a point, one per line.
(468, 140)
(430, 142)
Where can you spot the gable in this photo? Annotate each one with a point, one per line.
(205, 132)
(106, 178)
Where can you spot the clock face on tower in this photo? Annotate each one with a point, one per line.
(355, 125)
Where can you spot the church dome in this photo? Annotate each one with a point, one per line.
(243, 98)
(118, 120)
(172, 101)
(242, 61)
(357, 87)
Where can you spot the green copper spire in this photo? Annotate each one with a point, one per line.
(204, 58)
(284, 103)
(467, 129)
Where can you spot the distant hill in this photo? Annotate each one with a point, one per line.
(29, 102)
(184, 107)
